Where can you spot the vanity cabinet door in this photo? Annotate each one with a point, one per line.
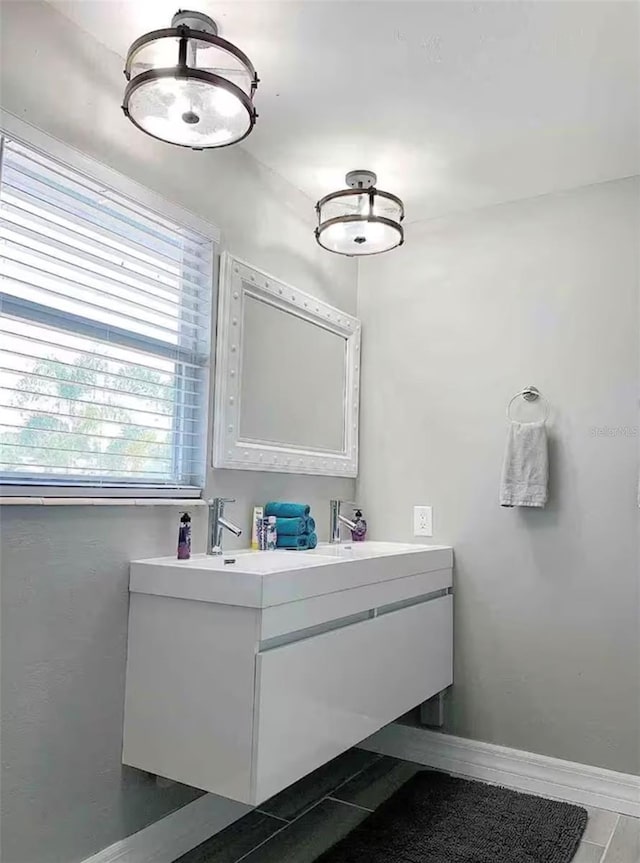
(317, 697)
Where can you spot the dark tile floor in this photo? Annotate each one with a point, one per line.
(301, 822)
(304, 820)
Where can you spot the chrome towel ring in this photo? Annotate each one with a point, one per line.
(530, 394)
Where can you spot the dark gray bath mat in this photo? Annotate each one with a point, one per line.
(436, 818)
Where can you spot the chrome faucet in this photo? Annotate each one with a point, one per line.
(336, 519)
(217, 522)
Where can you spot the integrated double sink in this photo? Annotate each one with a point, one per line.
(259, 579)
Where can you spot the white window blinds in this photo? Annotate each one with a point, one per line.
(105, 311)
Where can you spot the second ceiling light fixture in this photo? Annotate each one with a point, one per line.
(188, 86)
(360, 220)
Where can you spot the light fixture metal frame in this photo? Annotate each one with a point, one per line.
(372, 193)
(183, 71)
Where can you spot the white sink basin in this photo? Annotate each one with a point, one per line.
(366, 549)
(246, 561)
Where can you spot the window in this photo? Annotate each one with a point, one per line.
(105, 310)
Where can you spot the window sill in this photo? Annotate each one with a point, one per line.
(185, 503)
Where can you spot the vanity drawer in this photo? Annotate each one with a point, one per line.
(319, 696)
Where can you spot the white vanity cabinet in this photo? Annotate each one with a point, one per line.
(243, 677)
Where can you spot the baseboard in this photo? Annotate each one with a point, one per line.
(523, 771)
(175, 834)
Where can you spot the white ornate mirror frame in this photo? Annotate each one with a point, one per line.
(238, 280)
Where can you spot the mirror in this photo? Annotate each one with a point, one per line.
(286, 378)
(293, 379)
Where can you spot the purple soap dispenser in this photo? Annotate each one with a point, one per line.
(359, 532)
(184, 537)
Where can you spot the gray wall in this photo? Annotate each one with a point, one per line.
(65, 569)
(64, 629)
(543, 292)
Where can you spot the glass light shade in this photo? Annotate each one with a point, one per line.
(360, 222)
(190, 88)
(189, 112)
(359, 238)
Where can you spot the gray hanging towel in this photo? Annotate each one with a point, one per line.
(525, 472)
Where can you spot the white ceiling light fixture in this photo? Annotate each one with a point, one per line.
(360, 220)
(188, 86)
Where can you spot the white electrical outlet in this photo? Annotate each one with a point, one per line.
(422, 521)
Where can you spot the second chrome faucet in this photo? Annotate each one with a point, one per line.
(336, 518)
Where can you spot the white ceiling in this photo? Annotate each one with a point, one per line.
(455, 105)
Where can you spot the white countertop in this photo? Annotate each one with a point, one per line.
(259, 579)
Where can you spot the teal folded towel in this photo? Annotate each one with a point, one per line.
(295, 526)
(287, 510)
(291, 526)
(312, 540)
(300, 542)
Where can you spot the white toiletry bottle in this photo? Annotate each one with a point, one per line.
(272, 533)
